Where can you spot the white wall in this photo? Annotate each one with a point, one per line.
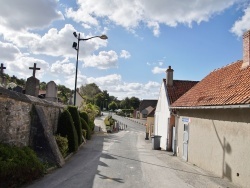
(161, 117)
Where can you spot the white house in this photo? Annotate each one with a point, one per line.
(170, 91)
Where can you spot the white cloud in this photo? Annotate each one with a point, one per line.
(155, 27)
(158, 70)
(28, 14)
(104, 60)
(109, 80)
(131, 13)
(8, 51)
(63, 67)
(125, 54)
(20, 67)
(243, 24)
(160, 63)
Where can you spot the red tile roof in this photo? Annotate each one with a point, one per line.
(229, 85)
(178, 89)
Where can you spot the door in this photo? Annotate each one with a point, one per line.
(185, 143)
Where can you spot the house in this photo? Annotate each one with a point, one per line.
(150, 124)
(79, 99)
(170, 91)
(145, 107)
(213, 121)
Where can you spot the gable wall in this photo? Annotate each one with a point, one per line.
(161, 117)
(218, 142)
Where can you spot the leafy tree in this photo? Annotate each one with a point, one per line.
(134, 102)
(89, 91)
(113, 106)
(43, 85)
(99, 98)
(64, 93)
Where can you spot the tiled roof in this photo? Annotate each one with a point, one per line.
(146, 103)
(152, 113)
(229, 85)
(178, 89)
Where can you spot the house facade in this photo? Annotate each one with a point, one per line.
(213, 121)
(145, 108)
(170, 91)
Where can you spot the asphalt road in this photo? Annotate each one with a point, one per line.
(126, 159)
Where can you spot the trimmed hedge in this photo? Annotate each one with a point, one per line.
(67, 129)
(76, 119)
(85, 116)
(63, 145)
(18, 166)
(86, 127)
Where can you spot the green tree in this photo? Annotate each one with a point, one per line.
(113, 106)
(43, 85)
(64, 93)
(134, 102)
(89, 91)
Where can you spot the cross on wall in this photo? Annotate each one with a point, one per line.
(1, 69)
(34, 69)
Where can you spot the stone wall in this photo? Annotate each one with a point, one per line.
(29, 121)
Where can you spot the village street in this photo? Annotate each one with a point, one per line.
(126, 159)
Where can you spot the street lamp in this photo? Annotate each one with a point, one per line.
(76, 47)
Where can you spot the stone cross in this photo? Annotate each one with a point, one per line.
(34, 69)
(2, 67)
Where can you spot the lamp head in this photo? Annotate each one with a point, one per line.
(74, 45)
(74, 33)
(104, 37)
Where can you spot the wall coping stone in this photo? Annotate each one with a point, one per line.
(6, 93)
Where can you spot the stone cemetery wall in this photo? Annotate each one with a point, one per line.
(29, 121)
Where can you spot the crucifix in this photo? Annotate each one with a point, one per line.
(34, 69)
(1, 69)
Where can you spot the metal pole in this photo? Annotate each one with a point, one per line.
(76, 68)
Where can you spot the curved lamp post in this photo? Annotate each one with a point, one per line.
(76, 46)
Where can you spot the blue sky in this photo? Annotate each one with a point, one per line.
(144, 38)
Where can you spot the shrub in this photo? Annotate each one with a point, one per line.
(85, 116)
(18, 166)
(76, 119)
(91, 125)
(84, 133)
(85, 126)
(62, 143)
(67, 129)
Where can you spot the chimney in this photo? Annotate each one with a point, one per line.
(169, 76)
(246, 49)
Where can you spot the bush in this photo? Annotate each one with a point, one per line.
(109, 121)
(85, 126)
(91, 125)
(18, 166)
(76, 119)
(62, 143)
(67, 129)
(85, 116)
(84, 133)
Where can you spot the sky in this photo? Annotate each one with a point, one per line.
(194, 37)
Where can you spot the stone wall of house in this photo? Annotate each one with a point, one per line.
(30, 121)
